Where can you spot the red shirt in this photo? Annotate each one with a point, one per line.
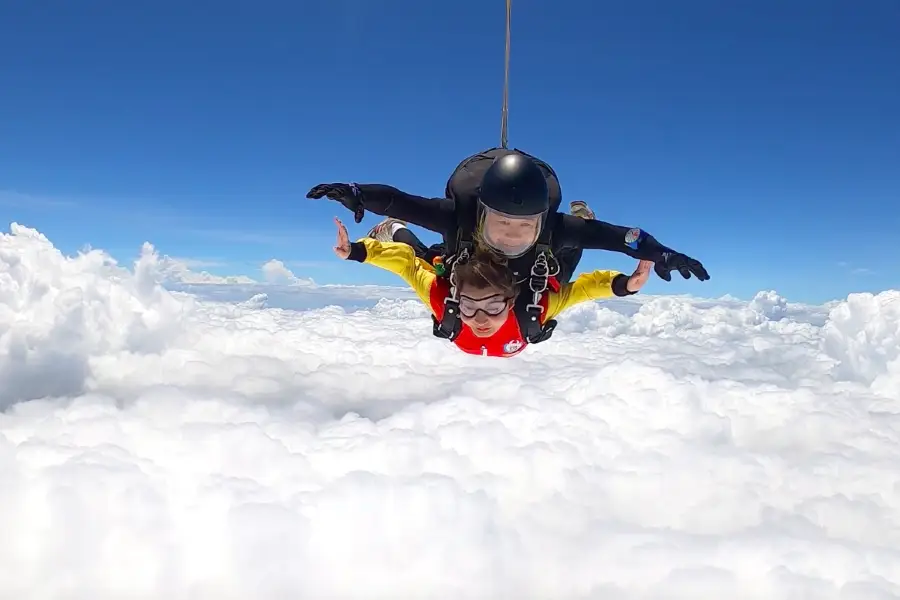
(507, 341)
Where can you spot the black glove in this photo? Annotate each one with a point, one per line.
(676, 261)
(347, 194)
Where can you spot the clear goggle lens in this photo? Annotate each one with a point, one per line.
(492, 305)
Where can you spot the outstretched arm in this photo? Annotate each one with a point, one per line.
(635, 242)
(434, 214)
(396, 257)
(600, 235)
(596, 285)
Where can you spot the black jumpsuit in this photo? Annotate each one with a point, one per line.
(571, 235)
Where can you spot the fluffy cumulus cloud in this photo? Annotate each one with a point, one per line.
(155, 444)
(179, 271)
(275, 271)
(277, 288)
(175, 272)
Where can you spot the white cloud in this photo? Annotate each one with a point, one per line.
(199, 263)
(275, 271)
(174, 270)
(179, 272)
(159, 445)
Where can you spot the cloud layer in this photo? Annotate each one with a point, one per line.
(157, 444)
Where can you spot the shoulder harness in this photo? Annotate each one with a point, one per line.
(527, 308)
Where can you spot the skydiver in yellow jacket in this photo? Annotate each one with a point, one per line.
(487, 291)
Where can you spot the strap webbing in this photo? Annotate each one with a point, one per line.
(504, 114)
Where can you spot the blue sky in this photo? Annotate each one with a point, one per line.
(761, 137)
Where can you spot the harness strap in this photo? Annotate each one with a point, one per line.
(529, 309)
(504, 113)
(450, 325)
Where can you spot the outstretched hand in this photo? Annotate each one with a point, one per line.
(342, 247)
(346, 193)
(683, 264)
(640, 276)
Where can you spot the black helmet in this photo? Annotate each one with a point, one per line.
(515, 185)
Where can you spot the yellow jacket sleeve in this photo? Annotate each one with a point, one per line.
(401, 259)
(586, 287)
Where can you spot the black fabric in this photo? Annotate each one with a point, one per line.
(464, 182)
(620, 285)
(347, 194)
(442, 216)
(515, 185)
(427, 253)
(463, 188)
(570, 234)
(358, 252)
(529, 320)
(433, 214)
(404, 236)
(435, 250)
(568, 259)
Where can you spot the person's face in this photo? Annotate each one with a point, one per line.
(484, 310)
(508, 234)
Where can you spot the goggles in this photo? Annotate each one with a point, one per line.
(491, 306)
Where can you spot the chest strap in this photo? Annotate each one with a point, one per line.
(450, 325)
(529, 307)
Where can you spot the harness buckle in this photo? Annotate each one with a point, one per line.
(534, 307)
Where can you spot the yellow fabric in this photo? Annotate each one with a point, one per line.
(586, 287)
(401, 259)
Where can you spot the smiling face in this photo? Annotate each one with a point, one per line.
(509, 235)
(487, 291)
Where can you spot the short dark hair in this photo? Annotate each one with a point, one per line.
(487, 269)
